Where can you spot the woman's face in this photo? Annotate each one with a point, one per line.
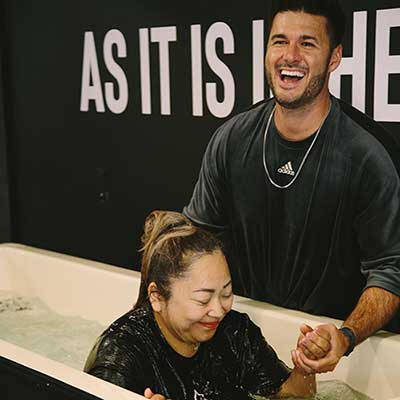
(199, 301)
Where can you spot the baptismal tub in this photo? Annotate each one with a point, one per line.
(99, 292)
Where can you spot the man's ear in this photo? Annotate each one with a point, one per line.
(336, 58)
(155, 297)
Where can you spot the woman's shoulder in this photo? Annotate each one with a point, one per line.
(237, 337)
(236, 317)
(135, 327)
(120, 355)
(236, 324)
(130, 337)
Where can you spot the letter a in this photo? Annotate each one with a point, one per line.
(90, 72)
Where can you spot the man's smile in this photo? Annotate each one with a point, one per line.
(290, 78)
(288, 74)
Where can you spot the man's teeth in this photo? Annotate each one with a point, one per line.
(297, 74)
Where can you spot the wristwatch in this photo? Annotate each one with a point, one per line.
(352, 339)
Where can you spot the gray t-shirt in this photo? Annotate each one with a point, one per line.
(317, 244)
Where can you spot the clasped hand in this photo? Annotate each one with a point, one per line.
(320, 349)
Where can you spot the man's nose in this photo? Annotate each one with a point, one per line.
(292, 53)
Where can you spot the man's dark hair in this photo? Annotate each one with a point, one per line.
(330, 9)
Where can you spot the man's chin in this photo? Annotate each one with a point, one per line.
(288, 99)
(304, 96)
(290, 104)
(296, 102)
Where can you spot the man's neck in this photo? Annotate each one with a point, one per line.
(298, 124)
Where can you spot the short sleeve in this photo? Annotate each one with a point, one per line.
(208, 203)
(116, 360)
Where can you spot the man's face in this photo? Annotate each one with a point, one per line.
(298, 59)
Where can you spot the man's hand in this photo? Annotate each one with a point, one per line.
(319, 350)
(148, 393)
(314, 343)
(375, 307)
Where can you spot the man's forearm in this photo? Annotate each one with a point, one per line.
(374, 309)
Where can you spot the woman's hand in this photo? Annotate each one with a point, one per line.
(148, 393)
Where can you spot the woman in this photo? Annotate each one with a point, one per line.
(182, 340)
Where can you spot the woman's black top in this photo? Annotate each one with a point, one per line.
(235, 364)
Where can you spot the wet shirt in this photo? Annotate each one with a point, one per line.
(318, 243)
(236, 362)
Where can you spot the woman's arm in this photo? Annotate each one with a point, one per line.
(298, 384)
(114, 359)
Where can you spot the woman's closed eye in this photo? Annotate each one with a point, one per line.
(202, 302)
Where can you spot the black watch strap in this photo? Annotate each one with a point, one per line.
(352, 339)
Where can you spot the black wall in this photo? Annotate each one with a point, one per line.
(5, 226)
(81, 182)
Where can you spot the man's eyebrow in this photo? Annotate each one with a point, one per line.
(278, 36)
(303, 37)
(309, 37)
(211, 290)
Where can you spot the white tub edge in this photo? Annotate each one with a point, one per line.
(68, 375)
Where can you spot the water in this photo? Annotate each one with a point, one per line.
(329, 390)
(29, 323)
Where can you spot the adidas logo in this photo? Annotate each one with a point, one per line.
(286, 169)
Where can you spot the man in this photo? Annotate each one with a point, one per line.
(306, 197)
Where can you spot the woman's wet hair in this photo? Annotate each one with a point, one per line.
(330, 9)
(170, 245)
